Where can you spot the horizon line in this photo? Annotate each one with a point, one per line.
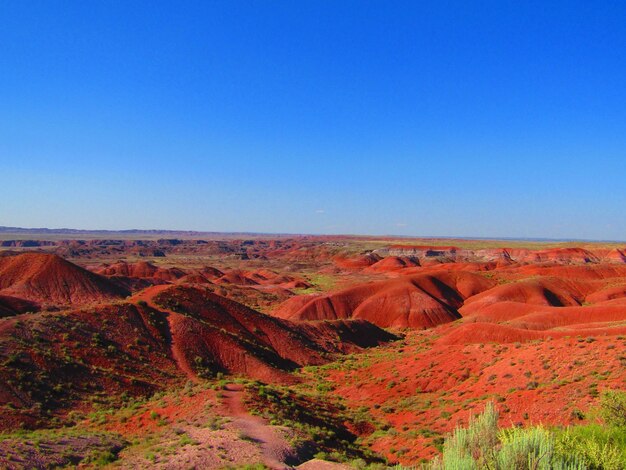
(65, 230)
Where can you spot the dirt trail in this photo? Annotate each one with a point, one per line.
(147, 296)
(273, 447)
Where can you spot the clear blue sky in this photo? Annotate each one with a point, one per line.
(488, 118)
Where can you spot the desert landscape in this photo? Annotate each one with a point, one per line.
(192, 350)
(315, 235)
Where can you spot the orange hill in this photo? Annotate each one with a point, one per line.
(165, 335)
(50, 279)
(142, 269)
(419, 301)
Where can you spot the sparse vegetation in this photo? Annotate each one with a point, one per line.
(482, 445)
(111, 367)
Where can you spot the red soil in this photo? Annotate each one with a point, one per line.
(211, 273)
(356, 262)
(608, 293)
(471, 333)
(273, 446)
(142, 269)
(167, 334)
(541, 318)
(263, 277)
(434, 386)
(194, 278)
(549, 292)
(237, 277)
(589, 272)
(50, 279)
(539, 331)
(392, 263)
(13, 306)
(565, 255)
(410, 301)
(235, 338)
(615, 255)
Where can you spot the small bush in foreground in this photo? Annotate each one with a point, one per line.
(483, 446)
(613, 408)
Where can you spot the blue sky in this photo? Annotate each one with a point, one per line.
(488, 118)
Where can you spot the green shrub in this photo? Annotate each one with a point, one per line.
(598, 447)
(613, 408)
(531, 448)
(473, 447)
(483, 446)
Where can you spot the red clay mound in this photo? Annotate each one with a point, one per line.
(356, 262)
(562, 256)
(549, 292)
(473, 333)
(169, 335)
(489, 333)
(609, 293)
(393, 263)
(616, 256)
(270, 278)
(589, 272)
(290, 307)
(237, 277)
(420, 301)
(612, 302)
(405, 306)
(296, 284)
(232, 337)
(77, 354)
(194, 278)
(263, 277)
(565, 255)
(438, 266)
(495, 313)
(142, 269)
(543, 318)
(50, 279)
(211, 273)
(10, 306)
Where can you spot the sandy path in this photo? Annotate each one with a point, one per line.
(273, 447)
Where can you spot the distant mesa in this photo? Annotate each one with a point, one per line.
(566, 255)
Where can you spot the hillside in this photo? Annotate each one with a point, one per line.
(49, 279)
